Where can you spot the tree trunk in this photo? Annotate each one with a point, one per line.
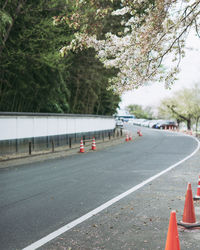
(178, 122)
(189, 124)
(197, 121)
(185, 118)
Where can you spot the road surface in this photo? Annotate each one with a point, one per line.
(39, 198)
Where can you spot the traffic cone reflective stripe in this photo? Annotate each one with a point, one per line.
(172, 242)
(82, 147)
(93, 144)
(198, 191)
(197, 196)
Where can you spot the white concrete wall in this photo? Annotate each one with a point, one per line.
(16, 127)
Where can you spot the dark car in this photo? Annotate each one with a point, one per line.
(166, 125)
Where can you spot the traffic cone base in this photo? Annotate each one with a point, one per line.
(189, 218)
(196, 198)
(188, 225)
(172, 241)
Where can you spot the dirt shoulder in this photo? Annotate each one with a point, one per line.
(60, 152)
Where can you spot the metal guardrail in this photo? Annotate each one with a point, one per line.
(51, 144)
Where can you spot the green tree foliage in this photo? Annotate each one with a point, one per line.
(34, 78)
(183, 106)
(88, 83)
(139, 111)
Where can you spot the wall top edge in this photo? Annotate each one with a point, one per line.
(52, 114)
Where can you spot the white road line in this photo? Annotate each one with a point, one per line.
(97, 210)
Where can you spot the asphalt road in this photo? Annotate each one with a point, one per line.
(38, 198)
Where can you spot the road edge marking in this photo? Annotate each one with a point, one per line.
(97, 210)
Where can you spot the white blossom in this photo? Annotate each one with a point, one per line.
(139, 54)
(121, 11)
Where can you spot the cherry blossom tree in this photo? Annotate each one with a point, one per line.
(183, 106)
(151, 45)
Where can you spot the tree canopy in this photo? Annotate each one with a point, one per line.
(34, 77)
(183, 106)
(80, 55)
(151, 30)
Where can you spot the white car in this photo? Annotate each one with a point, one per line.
(119, 124)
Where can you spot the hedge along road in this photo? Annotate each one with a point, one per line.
(39, 198)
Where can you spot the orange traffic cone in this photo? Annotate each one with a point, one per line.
(197, 196)
(172, 242)
(127, 139)
(82, 147)
(189, 218)
(140, 133)
(93, 144)
(130, 137)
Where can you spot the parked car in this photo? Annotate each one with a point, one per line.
(119, 124)
(152, 123)
(158, 123)
(165, 124)
(168, 125)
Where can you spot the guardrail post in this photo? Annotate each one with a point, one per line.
(75, 137)
(33, 143)
(29, 147)
(84, 140)
(70, 142)
(52, 145)
(16, 145)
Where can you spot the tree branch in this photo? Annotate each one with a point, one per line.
(17, 11)
(6, 2)
(176, 113)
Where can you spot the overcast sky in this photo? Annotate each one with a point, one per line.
(190, 73)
